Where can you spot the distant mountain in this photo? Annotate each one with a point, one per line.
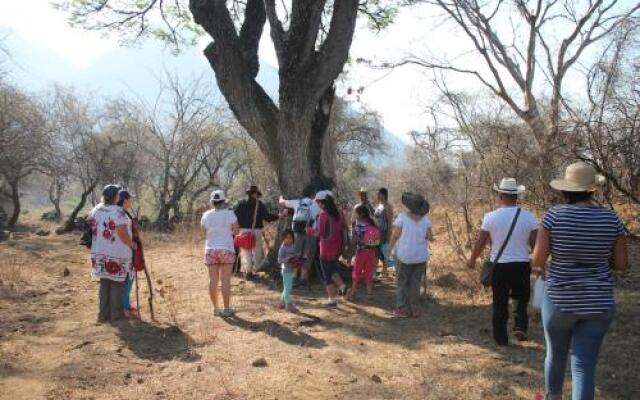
(125, 70)
(136, 70)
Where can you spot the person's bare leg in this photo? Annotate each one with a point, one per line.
(332, 291)
(214, 280)
(353, 290)
(369, 287)
(337, 280)
(225, 277)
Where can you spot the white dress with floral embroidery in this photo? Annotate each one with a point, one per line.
(110, 258)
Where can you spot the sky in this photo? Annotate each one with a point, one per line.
(400, 96)
(395, 96)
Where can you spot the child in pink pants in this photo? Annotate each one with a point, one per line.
(366, 236)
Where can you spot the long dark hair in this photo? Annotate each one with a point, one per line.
(364, 213)
(576, 197)
(330, 207)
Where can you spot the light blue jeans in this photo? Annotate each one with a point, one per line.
(126, 294)
(583, 335)
(287, 287)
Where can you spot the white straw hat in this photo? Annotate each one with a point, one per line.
(509, 186)
(578, 177)
(217, 195)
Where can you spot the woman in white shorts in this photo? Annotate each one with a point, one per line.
(219, 225)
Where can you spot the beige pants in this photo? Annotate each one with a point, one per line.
(250, 260)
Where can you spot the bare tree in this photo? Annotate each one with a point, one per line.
(607, 131)
(179, 126)
(513, 61)
(81, 142)
(23, 137)
(311, 39)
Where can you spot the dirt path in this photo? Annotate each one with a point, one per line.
(51, 348)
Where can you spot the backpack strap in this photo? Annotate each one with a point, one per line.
(506, 240)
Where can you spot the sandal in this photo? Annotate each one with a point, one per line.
(228, 313)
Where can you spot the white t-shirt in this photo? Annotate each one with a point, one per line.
(219, 226)
(110, 257)
(412, 245)
(498, 222)
(314, 209)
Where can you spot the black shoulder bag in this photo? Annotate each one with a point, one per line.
(486, 275)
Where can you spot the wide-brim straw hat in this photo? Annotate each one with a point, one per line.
(509, 186)
(416, 203)
(578, 177)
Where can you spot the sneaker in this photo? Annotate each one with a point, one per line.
(342, 291)
(292, 308)
(228, 313)
(217, 312)
(281, 305)
(400, 313)
(415, 313)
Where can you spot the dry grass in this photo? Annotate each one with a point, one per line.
(50, 346)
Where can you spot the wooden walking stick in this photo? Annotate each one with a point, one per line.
(137, 295)
(150, 287)
(140, 264)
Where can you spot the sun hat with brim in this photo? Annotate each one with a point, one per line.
(253, 189)
(217, 196)
(578, 177)
(323, 194)
(509, 186)
(416, 203)
(124, 194)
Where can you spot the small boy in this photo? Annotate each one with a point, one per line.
(288, 258)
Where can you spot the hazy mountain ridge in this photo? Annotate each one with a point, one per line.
(135, 71)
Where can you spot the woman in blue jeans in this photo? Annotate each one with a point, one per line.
(579, 303)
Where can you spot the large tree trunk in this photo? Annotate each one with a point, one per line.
(15, 201)
(162, 221)
(292, 135)
(301, 137)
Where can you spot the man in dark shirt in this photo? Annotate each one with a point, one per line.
(251, 259)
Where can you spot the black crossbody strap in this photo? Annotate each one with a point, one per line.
(506, 240)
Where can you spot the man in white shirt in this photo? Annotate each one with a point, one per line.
(305, 215)
(512, 268)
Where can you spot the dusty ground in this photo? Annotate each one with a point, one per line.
(50, 346)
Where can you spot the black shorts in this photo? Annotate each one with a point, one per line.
(327, 269)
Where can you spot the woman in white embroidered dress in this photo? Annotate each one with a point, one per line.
(111, 253)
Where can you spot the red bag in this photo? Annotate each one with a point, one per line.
(138, 258)
(245, 240)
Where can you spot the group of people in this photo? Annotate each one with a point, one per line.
(586, 243)
(321, 235)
